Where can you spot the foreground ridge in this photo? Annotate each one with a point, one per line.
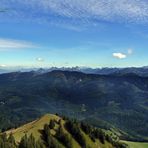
(54, 131)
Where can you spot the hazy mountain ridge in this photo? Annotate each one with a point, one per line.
(141, 71)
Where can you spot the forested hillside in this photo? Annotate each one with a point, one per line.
(113, 102)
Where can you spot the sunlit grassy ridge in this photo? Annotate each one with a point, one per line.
(37, 126)
(32, 127)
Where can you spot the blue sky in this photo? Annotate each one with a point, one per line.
(92, 33)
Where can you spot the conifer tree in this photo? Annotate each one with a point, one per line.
(11, 139)
(40, 144)
(24, 142)
(2, 145)
(52, 124)
(31, 142)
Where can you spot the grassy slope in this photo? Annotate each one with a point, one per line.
(32, 127)
(137, 144)
(35, 126)
(96, 144)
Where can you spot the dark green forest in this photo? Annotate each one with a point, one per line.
(114, 102)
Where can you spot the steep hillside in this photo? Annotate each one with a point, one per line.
(118, 102)
(67, 133)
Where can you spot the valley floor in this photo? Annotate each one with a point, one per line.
(137, 144)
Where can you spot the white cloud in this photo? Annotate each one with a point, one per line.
(3, 65)
(130, 51)
(39, 59)
(119, 55)
(10, 43)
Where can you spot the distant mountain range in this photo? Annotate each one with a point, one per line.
(141, 71)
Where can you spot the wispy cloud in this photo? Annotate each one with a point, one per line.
(76, 12)
(14, 44)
